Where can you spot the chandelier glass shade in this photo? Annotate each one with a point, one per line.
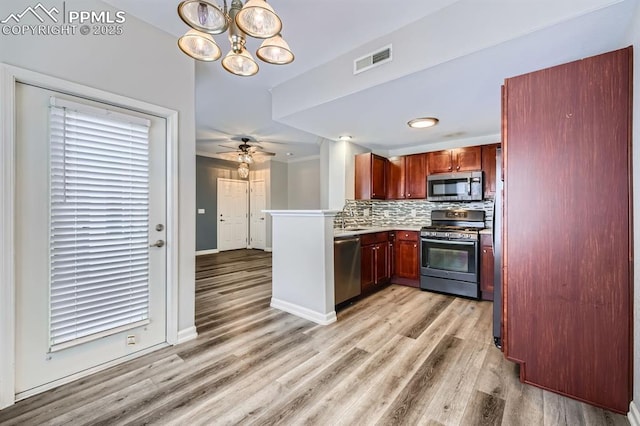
(204, 16)
(255, 18)
(200, 46)
(275, 51)
(240, 63)
(243, 170)
(258, 19)
(245, 157)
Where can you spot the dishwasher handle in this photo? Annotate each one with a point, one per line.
(342, 240)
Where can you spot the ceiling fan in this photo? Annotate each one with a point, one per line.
(245, 153)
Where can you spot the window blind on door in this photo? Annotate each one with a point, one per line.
(99, 208)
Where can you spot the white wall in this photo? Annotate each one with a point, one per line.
(634, 39)
(278, 193)
(143, 63)
(304, 184)
(337, 172)
(351, 150)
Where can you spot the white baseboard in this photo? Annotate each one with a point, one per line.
(634, 414)
(302, 312)
(187, 334)
(203, 252)
(268, 249)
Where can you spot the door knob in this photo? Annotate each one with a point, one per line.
(159, 243)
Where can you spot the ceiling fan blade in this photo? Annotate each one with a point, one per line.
(269, 154)
(235, 148)
(227, 152)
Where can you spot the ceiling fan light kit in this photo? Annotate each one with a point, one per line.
(243, 170)
(255, 18)
(244, 155)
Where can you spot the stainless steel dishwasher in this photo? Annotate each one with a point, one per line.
(346, 266)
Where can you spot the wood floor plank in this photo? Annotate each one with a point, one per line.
(409, 405)
(458, 384)
(484, 409)
(330, 409)
(420, 325)
(399, 356)
(309, 392)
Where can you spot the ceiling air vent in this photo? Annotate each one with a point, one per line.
(372, 60)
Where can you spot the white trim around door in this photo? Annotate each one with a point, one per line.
(9, 77)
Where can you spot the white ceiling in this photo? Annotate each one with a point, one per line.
(449, 59)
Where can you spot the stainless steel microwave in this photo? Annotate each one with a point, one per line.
(459, 186)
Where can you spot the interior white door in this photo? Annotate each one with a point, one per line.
(233, 226)
(40, 361)
(257, 219)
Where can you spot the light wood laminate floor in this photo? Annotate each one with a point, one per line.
(401, 356)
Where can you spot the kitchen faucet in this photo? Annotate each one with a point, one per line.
(343, 214)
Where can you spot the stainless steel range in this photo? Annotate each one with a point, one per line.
(449, 252)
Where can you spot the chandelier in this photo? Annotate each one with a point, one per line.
(255, 18)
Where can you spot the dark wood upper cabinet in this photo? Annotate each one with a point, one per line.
(407, 177)
(455, 160)
(440, 161)
(567, 234)
(467, 159)
(416, 176)
(370, 177)
(395, 175)
(489, 169)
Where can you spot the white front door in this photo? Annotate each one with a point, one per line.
(89, 288)
(257, 203)
(233, 214)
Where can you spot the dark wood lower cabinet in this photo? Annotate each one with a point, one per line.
(375, 261)
(567, 242)
(486, 267)
(406, 258)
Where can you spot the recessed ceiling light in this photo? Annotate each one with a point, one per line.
(345, 138)
(421, 123)
(289, 154)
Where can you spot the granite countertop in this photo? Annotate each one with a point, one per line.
(339, 232)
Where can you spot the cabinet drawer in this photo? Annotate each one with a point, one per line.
(407, 236)
(373, 238)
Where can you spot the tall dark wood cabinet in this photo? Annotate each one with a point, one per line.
(567, 287)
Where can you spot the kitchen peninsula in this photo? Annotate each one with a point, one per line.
(303, 263)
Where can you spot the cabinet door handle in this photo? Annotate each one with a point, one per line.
(484, 251)
(415, 245)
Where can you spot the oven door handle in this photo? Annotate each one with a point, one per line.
(460, 243)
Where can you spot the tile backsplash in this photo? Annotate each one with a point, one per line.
(402, 212)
